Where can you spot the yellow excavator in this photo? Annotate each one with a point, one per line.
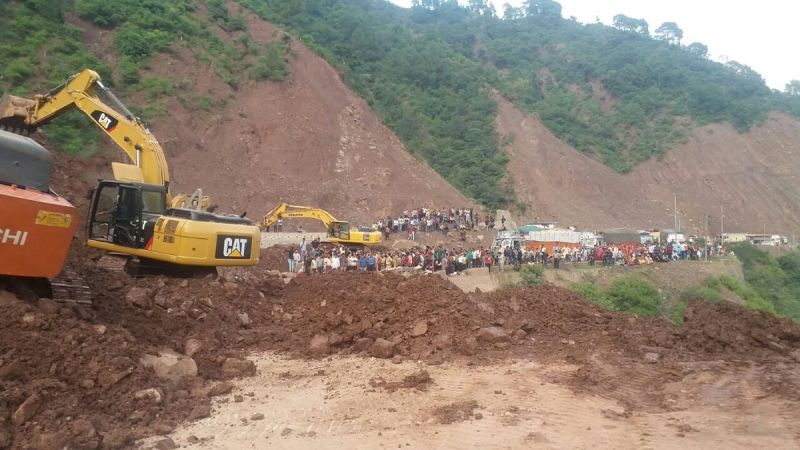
(133, 214)
(338, 231)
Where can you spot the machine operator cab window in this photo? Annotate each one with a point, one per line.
(125, 213)
(340, 230)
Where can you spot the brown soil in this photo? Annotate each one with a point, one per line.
(308, 140)
(751, 175)
(456, 412)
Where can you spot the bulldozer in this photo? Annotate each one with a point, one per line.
(131, 215)
(339, 232)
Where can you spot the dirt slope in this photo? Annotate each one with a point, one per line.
(308, 140)
(752, 175)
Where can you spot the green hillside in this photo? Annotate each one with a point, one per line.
(431, 72)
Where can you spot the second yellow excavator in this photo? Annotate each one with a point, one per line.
(132, 214)
(338, 231)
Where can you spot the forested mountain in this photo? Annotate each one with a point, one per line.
(432, 72)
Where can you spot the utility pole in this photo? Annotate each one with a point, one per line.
(675, 211)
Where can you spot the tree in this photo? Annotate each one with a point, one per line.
(698, 49)
(482, 7)
(793, 88)
(631, 25)
(542, 8)
(669, 32)
(512, 13)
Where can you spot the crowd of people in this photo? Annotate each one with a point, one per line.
(317, 258)
(443, 220)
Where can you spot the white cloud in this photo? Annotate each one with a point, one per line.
(762, 35)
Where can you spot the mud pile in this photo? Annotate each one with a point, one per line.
(151, 352)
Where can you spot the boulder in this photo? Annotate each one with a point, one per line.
(50, 441)
(363, 344)
(319, 345)
(84, 435)
(222, 388)
(191, 347)
(244, 320)
(26, 410)
(491, 335)
(235, 367)
(257, 416)
(154, 395)
(139, 297)
(420, 328)
(469, 346)
(382, 348)
(651, 357)
(442, 341)
(165, 444)
(170, 366)
(116, 439)
(200, 411)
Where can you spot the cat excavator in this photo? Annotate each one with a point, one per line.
(338, 231)
(133, 214)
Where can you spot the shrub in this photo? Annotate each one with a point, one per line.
(531, 275)
(635, 295)
(702, 293)
(272, 65)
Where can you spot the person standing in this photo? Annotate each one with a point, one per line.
(543, 256)
(488, 261)
(501, 260)
(556, 257)
(303, 249)
(290, 259)
(297, 261)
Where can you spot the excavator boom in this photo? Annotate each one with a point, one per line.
(134, 214)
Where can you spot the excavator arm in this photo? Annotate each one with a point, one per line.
(293, 211)
(86, 92)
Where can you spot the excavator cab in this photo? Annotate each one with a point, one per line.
(125, 213)
(339, 230)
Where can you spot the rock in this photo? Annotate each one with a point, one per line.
(28, 318)
(50, 441)
(184, 283)
(335, 339)
(116, 439)
(26, 410)
(87, 383)
(651, 357)
(191, 347)
(229, 286)
(48, 306)
(193, 439)
(235, 367)
(171, 366)
(238, 398)
(244, 320)
(469, 346)
(166, 444)
(5, 437)
(139, 297)
(442, 341)
(200, 411)
(222, 388)
(12, 371)
(382, 348)
(162, 301)
(319, 345)
(513, 304)
(99, 329)
(257, 416)
(420, 328)
(363, 344)
(397, 359)
(154, 395)
(164, 428)
(520, 335)
(491, 335)
(206, 302)
(84, 435)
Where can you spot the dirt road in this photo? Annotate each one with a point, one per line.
(339, 403)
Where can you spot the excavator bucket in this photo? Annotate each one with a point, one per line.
(14, 113)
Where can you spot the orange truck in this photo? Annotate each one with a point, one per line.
(36, 225)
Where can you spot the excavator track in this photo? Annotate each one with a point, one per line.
(70, 287)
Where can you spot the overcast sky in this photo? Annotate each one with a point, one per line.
(763, 35)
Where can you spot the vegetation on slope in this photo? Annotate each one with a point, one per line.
(776, 280)
(431, 72)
